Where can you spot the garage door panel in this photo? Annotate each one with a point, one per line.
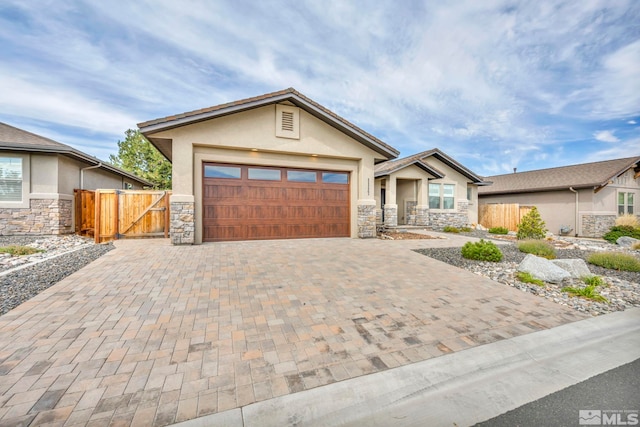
(255, 192)
(306, 194)
(240, 208)
(223, 191)
(224, 232)
(265, 212)
(265, 231)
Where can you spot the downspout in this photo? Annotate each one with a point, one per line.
(576, 210)
(85, 169)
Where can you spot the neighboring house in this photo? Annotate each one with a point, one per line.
(426, 189)
(270, 167)
(583, 199)
(37, 179)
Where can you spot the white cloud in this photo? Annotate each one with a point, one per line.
(632, 122)
(606, 136)
(468, 76)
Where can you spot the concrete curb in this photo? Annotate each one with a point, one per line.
(461, 388)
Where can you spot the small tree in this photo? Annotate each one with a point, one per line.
(532, 226)
(137, 155)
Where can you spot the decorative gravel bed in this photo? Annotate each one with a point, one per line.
(24, 277)
(623, 290)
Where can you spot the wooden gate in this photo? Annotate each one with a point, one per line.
(116, 214)
(502, 215)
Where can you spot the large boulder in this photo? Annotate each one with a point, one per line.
(577, 268)
(543, 269)
(626, 241)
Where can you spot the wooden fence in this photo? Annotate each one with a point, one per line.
(117, 214)
(502, 215)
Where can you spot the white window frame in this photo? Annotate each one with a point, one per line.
(442, 196)
(26, 183)
(625, 205)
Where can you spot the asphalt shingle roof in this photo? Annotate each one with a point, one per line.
(595, 175)
(390, 166)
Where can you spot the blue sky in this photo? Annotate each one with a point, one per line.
(495, 84)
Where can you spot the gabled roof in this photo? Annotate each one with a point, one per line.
(291, 95)
(15, 139)
(587, 175)
(421, 160)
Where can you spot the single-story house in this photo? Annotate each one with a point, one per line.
(582, 200)
(426, 189)
(270, 167)
(281, 165)
(37, 179)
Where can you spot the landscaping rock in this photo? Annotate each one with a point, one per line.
(543, 269)
(626, 241)
(577, 268)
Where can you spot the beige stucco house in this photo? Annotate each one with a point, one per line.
(582, 200)
(426, 189)
(37, 181)
(274, 166)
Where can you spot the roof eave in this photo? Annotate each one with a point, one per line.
(357, 134)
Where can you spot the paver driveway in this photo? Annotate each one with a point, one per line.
(152, 334)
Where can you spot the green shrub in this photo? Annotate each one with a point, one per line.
(618, 231)
(531, 226)
(482, 251)
(594, 281)
(450, 229)
(615, 261)
(525, 277)
(19, 250)
(498, 230)
(588, 292)
(537, 247)
(465, 229)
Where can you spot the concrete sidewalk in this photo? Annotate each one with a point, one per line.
(461, 388)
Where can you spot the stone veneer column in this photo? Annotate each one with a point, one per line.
(183, 222)
(422, 215)
(390, 215)
(366, 220)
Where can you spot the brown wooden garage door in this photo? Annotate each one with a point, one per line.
(251, 202)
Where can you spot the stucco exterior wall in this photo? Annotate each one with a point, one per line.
(250, 138)
(557, 208)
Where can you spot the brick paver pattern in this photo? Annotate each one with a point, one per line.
(152, 334)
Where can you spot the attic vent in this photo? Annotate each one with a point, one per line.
(287, 121)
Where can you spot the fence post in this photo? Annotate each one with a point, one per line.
(96, 232)
(167, 214)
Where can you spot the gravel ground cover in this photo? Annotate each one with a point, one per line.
(622, 290)
(24, 277)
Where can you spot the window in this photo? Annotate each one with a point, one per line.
(449, 196)
(434, 196)
(335, 178)
(211, 171)
(470, 194)
(10, 179)
(625, 203)
(442, 196)
(264, 174)
(301, 176)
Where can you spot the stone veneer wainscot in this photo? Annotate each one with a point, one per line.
(42, 217)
